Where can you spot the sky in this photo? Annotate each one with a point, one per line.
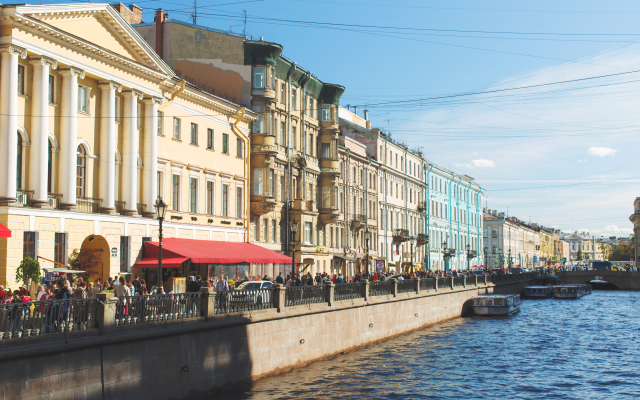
(538, 101)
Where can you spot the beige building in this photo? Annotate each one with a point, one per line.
(635, 219)
(94, 127)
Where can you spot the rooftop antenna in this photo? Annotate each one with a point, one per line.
(244, 29)
(195, 11)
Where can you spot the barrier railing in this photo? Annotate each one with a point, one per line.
(458, 281)
(380, 288)
(427, 284)
(134, 310)
(304, 295)
(443, 283)
(347, 291)
(47, 317)
(243, 300)
(407, 286)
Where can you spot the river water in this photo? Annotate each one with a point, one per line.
(564, 349)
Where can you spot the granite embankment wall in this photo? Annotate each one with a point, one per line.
(179, 359)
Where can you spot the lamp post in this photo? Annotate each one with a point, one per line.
(468, 255)
(411, 241)
(161, 209)
(294, 229)
(509, 257)
(367, 236)
(485, 257)
(445, 254)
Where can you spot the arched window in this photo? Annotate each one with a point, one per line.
(19, 163)
(81, 172)
(50, 167)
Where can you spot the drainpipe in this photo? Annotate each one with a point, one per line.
(386, 204)
(453, 176)
(366, 202)
(458, 222)
(247, 168)
(406, 193)
(174, 95)
(428, 204)
(303, 131)
(468, 218)
(290, 178)
(346, 197)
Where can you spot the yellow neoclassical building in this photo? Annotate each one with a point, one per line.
(94, 126)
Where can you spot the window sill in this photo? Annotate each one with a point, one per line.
(226, 154)
(176, 140)
(193, 144)
(210, 149)
(240, 158)
(160, 135)
(25, 96)
(53, 104)
(84, 113)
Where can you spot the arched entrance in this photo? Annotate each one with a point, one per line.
(100, 245)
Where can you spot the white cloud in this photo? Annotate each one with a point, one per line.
(584, 160)
(462, 165)
(482, 163)
(601, 151)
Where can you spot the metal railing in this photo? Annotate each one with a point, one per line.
(427, 284)
(133, 310)
(304, 295)
(54, 200)
(120, 206)
(458, 281)
(234, 301)
(88, 205)
(47, 317)
(407, 286)
(142, 208)
(443, 282)
(25, 197)
(380, 288)
(347, 291)
(470, 280)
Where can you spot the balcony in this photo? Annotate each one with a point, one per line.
(422, 206)
(88, 205)
(301, 206)
(423, 239)
(261, 205)
(359, 221)
(263, 143)
(25, 199)
(400, 235)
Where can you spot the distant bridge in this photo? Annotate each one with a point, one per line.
(621, 279)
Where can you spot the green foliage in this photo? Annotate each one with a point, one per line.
(85, 260)
(579, 255)
(29, 270)
(622, 252)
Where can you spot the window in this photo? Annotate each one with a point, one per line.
(294, 138)
(159, 184)
(225, 200)
(256, 230)
(117, 109)
(21, 79)
(272, 184)
(273, 231)
(49, 166)
(239, 148)
(272, 71)
(175, 192)
(326, 112)
(283, 134)
(307, 232)
(294, 99)
(310, 107)
(52, 89)
(265, 228)
(194, 134)
(283, 189)
(210, 197)
(139, 115)
(60, 252)
(311, 145)
(125, 253)
(283, 94)
(239, 203)
(83, 99)
(160, 124)
(30, 245)
(19, 163)
(210, 139)
(225, 143)
(176, 128)
(257, 181)
(193, 195)
(258, 77)
(81, 170)
(258, 125)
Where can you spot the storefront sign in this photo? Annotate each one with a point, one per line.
(380, 265)
(114, 252)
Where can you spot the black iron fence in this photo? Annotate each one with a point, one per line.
(458, 281)
(133, 310)
(427, 284)
(406, 286)
(470, 280)
(380, 288)
(304, 295)
(45, 317)
(348, 291)
(233, 301)
(443, 283)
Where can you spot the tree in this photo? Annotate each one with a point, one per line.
(29, 270)
(605, 249)
(85, 260)
(579, 255)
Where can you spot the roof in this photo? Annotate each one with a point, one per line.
(211, 252)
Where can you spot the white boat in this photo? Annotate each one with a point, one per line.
(537, 292)
(571, 291)
(496, 304)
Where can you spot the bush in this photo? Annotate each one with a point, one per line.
(85, 260)
(29, 270)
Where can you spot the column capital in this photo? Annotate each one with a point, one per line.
(72, 71)
(110, 85)
(132, 93)
(13, 49)
(153, 100)
(46, 61)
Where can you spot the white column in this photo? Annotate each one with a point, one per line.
(69, 135)
(107, 167)
(130, 150)
(150, 153)
(9, 121)
(38, 160)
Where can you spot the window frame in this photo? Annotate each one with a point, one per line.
(175, 191)
(257, 74)
(210, 139)
(52, 89)
(82, 89)
(194, 134)
(210, 197)
(193, 195)
(177, 128)
(160, 122)
(225, 143)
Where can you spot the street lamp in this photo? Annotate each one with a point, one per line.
(485, 257)
(294, 229)
(509, 257)
(411, 241)
(161, 209)
(367, 236)
(468, 255)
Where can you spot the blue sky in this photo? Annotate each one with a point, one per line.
(564, 155)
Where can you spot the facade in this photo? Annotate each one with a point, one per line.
(585, 244)
(511, 242)
(635, 219)
(94, 127)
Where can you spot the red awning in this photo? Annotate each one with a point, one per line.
(4, 232)
(210, 252)
(152, 262)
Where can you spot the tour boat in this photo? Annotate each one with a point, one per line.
(571, 291)
(496, 304)
(537, 292)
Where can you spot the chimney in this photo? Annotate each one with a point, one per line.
(355, 110)
(366, 115)
(136, 14)
(348, 107)
(160, 19)
(132, 15)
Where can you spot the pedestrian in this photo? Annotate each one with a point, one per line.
(120, 290)
(279, 279)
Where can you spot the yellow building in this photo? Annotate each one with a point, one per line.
(94, 126)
